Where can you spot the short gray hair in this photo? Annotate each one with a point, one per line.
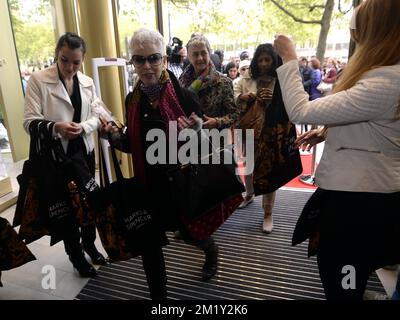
(146, 35)
(199, 39)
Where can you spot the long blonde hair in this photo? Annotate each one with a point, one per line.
(377, 36)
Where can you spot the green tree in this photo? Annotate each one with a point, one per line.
(33, 31)
(317, 12)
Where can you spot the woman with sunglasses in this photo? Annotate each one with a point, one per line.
(156, 101)
(357, 202)
(62, 94)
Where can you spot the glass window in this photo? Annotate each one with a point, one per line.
(33, 29)
(132, 15)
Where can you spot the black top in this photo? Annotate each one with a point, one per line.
(77, 144)
(76, 99)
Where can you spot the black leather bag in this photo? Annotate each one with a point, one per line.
(198, 188)
(124, 216)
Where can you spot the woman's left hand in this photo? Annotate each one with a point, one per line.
(68, 130)
(191, 122)
(210, 123)
(284, 47)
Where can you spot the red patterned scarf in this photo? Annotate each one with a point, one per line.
(170, 109)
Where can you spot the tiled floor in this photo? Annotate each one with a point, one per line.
(25, 282)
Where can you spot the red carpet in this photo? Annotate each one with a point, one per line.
(296, 183)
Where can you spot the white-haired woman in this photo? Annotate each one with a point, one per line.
(156, 100)
(215, 91)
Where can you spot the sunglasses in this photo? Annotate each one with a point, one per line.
(154, 60)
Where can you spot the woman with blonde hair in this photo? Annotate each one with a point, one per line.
(359, 173)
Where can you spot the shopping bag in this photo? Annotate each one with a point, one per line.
(13, 251)
(27, 212)
(124, 217)
(198, 188)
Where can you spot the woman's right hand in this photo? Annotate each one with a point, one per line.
(284, 47)
(310, 138)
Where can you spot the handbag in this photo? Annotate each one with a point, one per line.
(199, 187)
(324, 87)
(255, 114)
(253, 118)
(206, 193)
(123, 215)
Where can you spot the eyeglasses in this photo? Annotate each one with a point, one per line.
(154, 60)
(244, 68)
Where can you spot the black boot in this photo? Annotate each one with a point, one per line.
(154, 268)
(88, 234)
(80, 263)
(211, 263)
(74, 250)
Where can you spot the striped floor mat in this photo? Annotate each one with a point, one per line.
(252, 265)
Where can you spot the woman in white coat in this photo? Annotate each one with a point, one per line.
(359, 172)
(62, 94)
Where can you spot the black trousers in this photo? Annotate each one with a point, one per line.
(72, 243)
(360, 232)
(155, 270)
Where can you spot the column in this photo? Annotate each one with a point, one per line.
(97, 27)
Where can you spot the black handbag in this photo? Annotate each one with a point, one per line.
(200, 187)
(309, 222)
(124, 216)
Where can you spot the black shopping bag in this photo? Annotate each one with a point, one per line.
(13, 251)
(200, 187)
(54, 198)
(27, 212)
